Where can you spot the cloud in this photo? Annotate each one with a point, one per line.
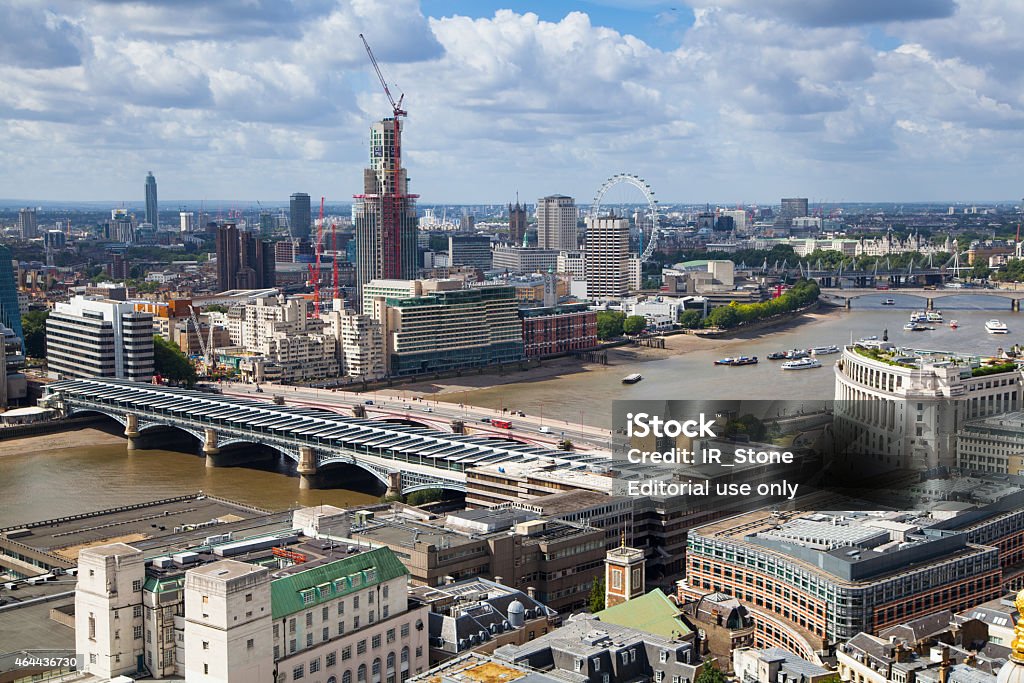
(34, 38)
(838, 12)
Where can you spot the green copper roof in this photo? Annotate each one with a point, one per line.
(303, 590)
(652, 613)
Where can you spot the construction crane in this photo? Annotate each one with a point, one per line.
(316, 271)
(391, 201)
(334, 248)
(205, 346)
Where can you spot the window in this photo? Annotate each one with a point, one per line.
(369, 598)
(137, 585)
(92, 655)
(277, 631)
(346, 653)
(309, 618)
(277, 652)
(292, 645)
(291, 625)
(298, 672)
(325, 615)
(391, 635)
(361, 674)
(596, 664)
(314, 666)
(375, 642)
(384, 592)
(664, 656)
(326, 633)
(405, 630)
(361, 647)
(250, 644)
(376, 667)
(137, 632)
(206, 668)
(330, 659)
(405, 655)
(341, 628)
(346, 677)
(355, 602)
(137, 611)
(248, 597)
(419, 651)
(92, 626)
(355, 623)
(309, 640)
(391, 661)
(370, 618)
(384, 611)
(341, 607)
(206, 645)
(579, 664)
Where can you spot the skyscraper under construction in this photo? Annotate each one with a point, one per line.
(385, 213)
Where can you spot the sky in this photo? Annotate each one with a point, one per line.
(725, 101)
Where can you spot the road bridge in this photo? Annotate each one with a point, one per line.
(929, 296)
(404, 458)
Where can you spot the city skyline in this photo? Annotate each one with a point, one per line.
(754, 101)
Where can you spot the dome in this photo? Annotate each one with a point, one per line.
(1013, 670)
(516, 607)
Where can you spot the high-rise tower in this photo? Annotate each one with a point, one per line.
(556, 223)
(385, 213)
(152, 212)
(300, 217)
(516, 223)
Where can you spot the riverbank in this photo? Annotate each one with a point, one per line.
(80, 438)
(675, 345)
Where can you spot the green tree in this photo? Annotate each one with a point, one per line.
(171, 363)
(595, 603)
(609, 324)
(425, 496)
(215, 308)
(33, 324)
(691, 319)
(980, 271)
(709, 673)
(634, 324)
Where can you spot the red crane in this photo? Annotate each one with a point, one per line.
(316, 278)
(391, 200)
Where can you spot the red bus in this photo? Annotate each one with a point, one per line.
(502, 424)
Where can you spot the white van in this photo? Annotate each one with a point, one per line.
(545, 430)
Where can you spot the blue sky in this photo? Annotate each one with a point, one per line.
(709, 100)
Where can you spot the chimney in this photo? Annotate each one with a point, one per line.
(497, 579)
(944, 667)
(449, 580)
(532, 592)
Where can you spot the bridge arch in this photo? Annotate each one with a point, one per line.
(406, 421)
(85, 412)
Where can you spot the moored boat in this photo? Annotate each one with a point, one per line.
(823, 350)
(889, 302)
(739, 360)
(954, 324)
(801, 364)
(632, 379)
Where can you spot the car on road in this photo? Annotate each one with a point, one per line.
(428, 409)
(545, 430)
(367, 403)
(520, 413)
(485, 419)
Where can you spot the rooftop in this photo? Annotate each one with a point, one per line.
(652, 613)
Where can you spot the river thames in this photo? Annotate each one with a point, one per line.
(49, 483)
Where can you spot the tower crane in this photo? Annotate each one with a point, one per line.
(205, 346)
(391, 201)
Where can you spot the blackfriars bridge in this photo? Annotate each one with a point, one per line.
(404, 458)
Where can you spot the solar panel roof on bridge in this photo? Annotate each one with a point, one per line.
(325, 428)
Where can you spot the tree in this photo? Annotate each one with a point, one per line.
(980, 271)
(425, 496)
(709, 673)
(171, 363)
(691, 319)
(215, 308)
(33, 324)
(609, 324)
(634, 325)
(595, 603)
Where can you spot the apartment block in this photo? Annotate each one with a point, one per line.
(92, 337)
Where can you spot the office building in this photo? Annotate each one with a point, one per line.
(10, 310)
(448, 330)
(557, 559)
(607, 261)
(152, 208)
(478, 615)
(469, 250)
(28, 224)
(121, 227)
(515, 259)
(739, 219)
(556, 223)
(831, 575)
(186, 222)
(588, 649)
(792, 207)
(558, 329)
(993, 444)
(243, 260)
(93, 337)
(282, 606)
(300, 216)
(384, 214)
(573, 264)
(904, 409)
(268, 224)
(517, 221)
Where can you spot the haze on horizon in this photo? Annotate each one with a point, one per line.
(752, 100)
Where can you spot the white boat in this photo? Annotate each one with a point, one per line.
(996, 327)
(889, 302)
(802, 364)
(954, 324)
(918, 317)
(632, 379)
(934, 316)
(824, 350)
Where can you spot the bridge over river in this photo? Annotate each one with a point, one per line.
(404, 458)
(929, 297)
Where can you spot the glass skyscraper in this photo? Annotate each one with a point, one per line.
(10, 312)
(152, 215)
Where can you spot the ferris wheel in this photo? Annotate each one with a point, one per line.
(649, 236)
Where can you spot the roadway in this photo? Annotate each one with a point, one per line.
(391, 405)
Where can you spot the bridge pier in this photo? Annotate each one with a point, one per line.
(131, 430)
(931, 304)
(1015, 305)
(210, 448)
(847, 305)
(306, 468)
(394, 483)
